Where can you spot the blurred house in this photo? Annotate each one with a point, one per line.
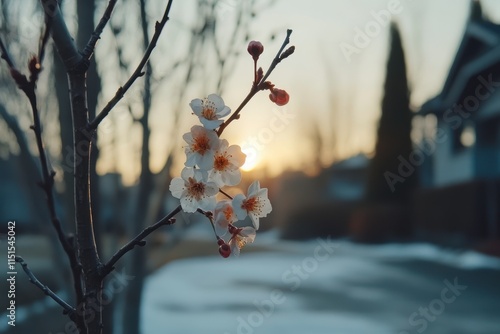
(346, 179)
(307, 206)
(461, 169)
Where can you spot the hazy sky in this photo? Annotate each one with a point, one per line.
(321, 76)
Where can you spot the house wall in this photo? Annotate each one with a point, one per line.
(488, 138)
(450, 166)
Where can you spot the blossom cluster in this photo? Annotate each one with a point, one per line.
(211, 164)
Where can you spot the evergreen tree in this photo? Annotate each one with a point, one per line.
(385, 182)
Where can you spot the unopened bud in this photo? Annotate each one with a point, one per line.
(224, 250)
(287, 52)
(255, 49)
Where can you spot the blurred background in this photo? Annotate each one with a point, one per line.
(383, 169)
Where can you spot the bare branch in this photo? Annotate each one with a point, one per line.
(138, 241)
(96, 35)
(28, 87)
(70, 310)
(137, 73)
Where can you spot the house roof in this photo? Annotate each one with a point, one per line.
(479, 50)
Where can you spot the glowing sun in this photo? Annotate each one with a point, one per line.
(251, 160)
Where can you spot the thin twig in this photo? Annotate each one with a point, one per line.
(256, 88)
(277, 59)
(138, 241)
(137, 73)
(210, 217)
(70, 310)
(96, 35)
(225, 194)
(28, 87)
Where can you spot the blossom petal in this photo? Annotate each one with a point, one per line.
(249, 234)
(238, 210)
(217, 100)
(235, 250)
(231, 178)
(187, 173)
(211, 189)
(236, 156)
(188, 137)
(188, 204)
(177, 187)
(190, 160)
(208, 203)
(224, 112)
(197, 106)
(223, 216)
(253, 188)
(206, 162)
(255, 220)
(211, 124)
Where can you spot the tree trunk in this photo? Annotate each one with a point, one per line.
(89, 310)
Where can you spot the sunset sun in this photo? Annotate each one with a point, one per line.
(251, 160)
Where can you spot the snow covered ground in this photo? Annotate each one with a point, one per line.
(326, 286)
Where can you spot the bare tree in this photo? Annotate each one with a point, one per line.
(87, 268)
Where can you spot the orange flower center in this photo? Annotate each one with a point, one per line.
(196, 189)
(201, 144)
(250, 204)
(220, 162)
(209, 113)
(228, 213)
(241, 242)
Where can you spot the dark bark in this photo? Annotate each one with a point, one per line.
(76, 66)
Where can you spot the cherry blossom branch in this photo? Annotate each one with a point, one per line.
(137, 73)
(96, 35)
(138, 241)
(262, 83)
(68, 309)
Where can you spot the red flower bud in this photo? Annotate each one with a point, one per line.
(255, 49)
(224, 250)
(279, 96)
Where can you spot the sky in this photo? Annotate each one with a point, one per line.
(334, 78)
